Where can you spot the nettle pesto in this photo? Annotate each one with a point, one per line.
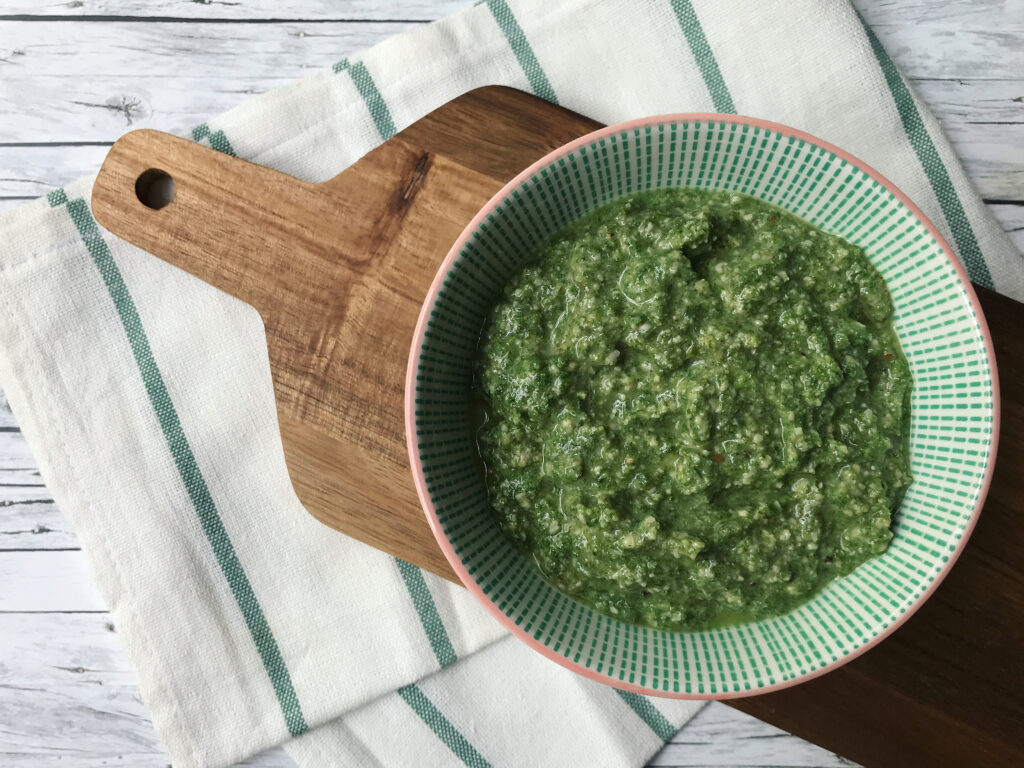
(694, 409)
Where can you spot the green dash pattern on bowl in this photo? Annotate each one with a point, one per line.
(954, 403)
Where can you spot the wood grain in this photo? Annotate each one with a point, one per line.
(965, 62)
(68, 699)
(337, 271)
(963, 35)
(184, 84)
(36, 573)
(235, 10)
(31, 522)
(984, 120)
(15, 455)
(984, 14)
(1011, 218)
(945, 689)
(959, 687)
(11, 203)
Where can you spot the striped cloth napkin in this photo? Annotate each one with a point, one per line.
(147, 399)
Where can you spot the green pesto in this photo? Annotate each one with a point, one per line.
(694, 409)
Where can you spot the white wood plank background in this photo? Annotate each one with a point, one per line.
(67, 694)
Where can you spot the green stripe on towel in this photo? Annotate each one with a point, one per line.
(934, 169)
(374, 101)
(427, 610)
(647, 712)
(185, 461)
(56, 197)
(706, 62)
(413, 578)
(411, 575)
(523, 51)
(217, 139)
(441, 726)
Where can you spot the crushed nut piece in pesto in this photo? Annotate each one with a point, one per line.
(694, 409)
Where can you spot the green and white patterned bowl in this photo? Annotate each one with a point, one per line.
(954, 423)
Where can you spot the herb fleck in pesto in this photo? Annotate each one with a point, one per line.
(694, 409)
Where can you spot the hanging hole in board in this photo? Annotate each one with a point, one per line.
(154, 188)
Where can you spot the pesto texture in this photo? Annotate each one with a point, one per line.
(694, 409)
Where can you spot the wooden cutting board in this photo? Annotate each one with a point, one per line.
(338, 271)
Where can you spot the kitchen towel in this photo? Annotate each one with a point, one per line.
(146, 395)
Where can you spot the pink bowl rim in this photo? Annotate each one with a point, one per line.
(435, 287)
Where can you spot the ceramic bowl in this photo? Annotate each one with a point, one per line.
(955, 404)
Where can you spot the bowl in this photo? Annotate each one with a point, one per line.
(954, 423)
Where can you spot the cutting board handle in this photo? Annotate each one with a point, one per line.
(207, 228)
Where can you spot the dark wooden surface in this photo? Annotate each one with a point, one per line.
(947, 688)
(944, 690)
